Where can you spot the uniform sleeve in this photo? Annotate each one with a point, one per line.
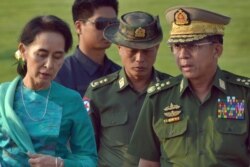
(94, 114)
(82, 141)
(144, 143)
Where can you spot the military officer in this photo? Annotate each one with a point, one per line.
(114, 101)
(202, 117)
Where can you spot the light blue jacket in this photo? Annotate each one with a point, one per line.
(75, 127)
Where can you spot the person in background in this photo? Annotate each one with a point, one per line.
(115, 100)
(202, 117)
(39, 118)
(89, 61)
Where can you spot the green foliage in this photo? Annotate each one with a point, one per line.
(14, 15)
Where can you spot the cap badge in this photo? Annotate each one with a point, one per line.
(140, 32)
(181, 17)
(172, 113)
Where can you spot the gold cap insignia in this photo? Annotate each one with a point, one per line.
(181, 17)
(140, 32)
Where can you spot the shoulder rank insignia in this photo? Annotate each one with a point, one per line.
(172, 113)
(98, 82)
(243, 81)
(158, 86)
(231, 108)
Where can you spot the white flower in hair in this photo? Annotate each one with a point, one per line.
(18, 55)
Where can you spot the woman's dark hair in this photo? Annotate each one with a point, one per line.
(84, 9)
(39, 24)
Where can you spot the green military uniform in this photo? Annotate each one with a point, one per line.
(180, 131)
(114, 109)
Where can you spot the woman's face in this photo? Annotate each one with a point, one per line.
(44, 58)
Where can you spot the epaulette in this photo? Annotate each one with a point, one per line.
(163, 85)
(237, 79)
(100, 82)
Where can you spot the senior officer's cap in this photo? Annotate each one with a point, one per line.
(192, 24)
(138, 30)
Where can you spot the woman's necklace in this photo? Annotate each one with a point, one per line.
(46, 105)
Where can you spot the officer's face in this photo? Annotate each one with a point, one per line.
(197, 60)
(138, 63)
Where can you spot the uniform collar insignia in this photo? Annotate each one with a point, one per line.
(181, 17)
(222, 84)
(121, 82)
(181, 85)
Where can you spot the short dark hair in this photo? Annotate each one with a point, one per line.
(84, 9)
(39, 24)
(215, 38)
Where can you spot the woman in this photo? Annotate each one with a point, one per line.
(41, 120)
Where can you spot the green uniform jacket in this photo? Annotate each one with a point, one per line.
(180, 131)
(114, 107)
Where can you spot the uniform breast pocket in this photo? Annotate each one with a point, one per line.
(114, 130)
(230, 136)
(173, 137)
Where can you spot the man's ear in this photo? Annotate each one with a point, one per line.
(218, 49)
(78, 27)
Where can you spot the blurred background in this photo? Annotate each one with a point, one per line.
(14, 14)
